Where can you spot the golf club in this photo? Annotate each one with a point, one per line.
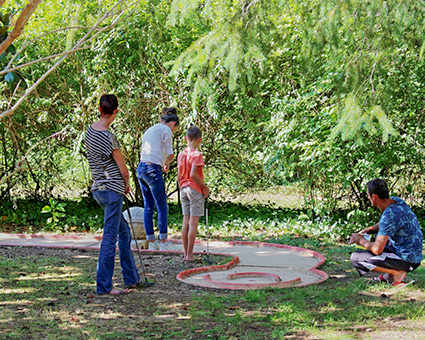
(207, 260)
(144, 282)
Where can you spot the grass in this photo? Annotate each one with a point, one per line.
(49, 294)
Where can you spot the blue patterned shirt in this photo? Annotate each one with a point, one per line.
(399, 222)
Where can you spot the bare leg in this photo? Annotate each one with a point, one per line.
(398, 275)
(191, 237)
(185, 234)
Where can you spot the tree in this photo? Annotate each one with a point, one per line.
(114, 14)
(359, 40)
(285, 91)
(20, 23)
(325, 70)
(17, 147)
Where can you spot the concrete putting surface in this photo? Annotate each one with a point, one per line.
(253, 265)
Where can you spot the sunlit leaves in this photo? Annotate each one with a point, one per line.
(353, 119)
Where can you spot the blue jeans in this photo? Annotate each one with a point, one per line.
(153, 191)
(114, 227)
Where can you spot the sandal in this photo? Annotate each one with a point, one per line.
(402, 284)
(116, 292)
(381, 278)
(142, 284)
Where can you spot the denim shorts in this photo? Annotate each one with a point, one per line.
(192, 202)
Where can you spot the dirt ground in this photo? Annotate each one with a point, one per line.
(168, 301)
(139, 315)
(160, 269)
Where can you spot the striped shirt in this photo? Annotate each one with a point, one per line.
(104, 169)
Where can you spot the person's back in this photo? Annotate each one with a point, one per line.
(104, 169)
(193, 190)
(155, 157)
(399, 222)
(156, 144)
(397, 248)
(110, 184)
(187, 158)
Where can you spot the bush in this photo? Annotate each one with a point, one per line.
(25, 215)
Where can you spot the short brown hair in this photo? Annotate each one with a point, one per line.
(193, 133)
(108, 103)
(379, 187)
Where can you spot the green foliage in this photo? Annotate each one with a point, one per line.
(56, 210)
(323, 94)
(232, 221)
(29, 216)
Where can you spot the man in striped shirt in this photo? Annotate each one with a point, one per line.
(110, 183)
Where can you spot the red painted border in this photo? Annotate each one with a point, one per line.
(253, 274)
(54, 236)
(183, 275)
(280, 284)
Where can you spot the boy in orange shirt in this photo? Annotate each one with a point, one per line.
(192, 188)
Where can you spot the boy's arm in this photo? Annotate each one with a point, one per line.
(194, 175)
(178, 177)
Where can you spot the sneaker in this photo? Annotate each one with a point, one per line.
(154, 245)
(168, 246)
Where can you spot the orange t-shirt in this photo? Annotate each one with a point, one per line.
(186, 159)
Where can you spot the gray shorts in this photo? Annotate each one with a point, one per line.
(365, 261)
(192, 202)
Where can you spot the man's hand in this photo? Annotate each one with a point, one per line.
(166, 165)
(355, 238)
(127, 189)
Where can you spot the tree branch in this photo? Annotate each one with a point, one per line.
(371, 77)
(38, 38)
(19, 24)
(42, 59)
(24, 158)
(77, 46)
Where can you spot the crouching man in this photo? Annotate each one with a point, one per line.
(397, 249)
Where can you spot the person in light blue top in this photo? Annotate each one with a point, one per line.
(397, 248)
(155, 158)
